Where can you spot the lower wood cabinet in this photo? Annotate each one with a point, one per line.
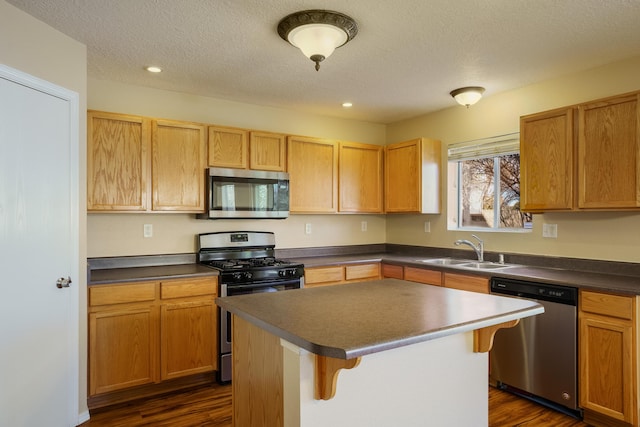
(337, 274)
(466, 282)
(146, 332)
(393, 271)
(608, 355)
(423, 275)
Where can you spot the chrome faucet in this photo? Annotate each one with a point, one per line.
(479, 248)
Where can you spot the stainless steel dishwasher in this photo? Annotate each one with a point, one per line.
(537, 359)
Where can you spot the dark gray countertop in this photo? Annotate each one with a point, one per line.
(357, 319)
(129, 274)
(619, 283)
(580, 279)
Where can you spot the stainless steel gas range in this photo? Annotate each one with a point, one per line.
(247, 264)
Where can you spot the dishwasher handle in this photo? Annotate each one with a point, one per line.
(538, 291)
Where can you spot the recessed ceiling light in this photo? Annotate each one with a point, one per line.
(347, 104)
(153, 69)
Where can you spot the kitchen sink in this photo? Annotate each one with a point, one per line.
(445, 261)
(484, 265)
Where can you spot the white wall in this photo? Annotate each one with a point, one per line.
(592, 235)
(37, 49)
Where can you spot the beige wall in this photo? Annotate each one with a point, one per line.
(121, 234)
(607, 236)
(31, 46)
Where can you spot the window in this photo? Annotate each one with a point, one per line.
(484, 190)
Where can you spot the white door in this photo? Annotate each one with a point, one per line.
(39, 244)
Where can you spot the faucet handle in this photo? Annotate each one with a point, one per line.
(479, 239)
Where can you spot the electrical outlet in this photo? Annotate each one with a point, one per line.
(550, 230)
(363, 226)
(148, 230)
(307, 228)
(427, 227)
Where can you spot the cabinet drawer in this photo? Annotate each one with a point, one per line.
(189, 288)
(362, 271)
(120, 294)
(393, 271)
(466, 283)
(607, 304)
(421, 275)
(323, 275)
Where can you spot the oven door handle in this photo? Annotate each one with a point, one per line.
(242, 287)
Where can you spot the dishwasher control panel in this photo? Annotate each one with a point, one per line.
(541, 291)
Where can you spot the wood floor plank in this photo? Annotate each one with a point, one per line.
(210, 406)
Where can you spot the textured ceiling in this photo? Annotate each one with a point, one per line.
(407, 57)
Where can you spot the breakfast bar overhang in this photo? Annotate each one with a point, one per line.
(378, 353)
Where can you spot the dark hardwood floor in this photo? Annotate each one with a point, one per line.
(211, 406)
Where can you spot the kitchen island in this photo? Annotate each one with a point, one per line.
(379, 353)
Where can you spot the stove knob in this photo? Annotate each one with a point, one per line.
(282, 273)
(237, 276)
(248, 275)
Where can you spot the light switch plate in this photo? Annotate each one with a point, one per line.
(427, 226)
(148, 230)
(363, 225)
(307, 228)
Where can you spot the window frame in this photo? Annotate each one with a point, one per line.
(494, 148)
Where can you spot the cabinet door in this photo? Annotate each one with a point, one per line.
(123, 348)
(320, 276)
(267, 151)
(313, 174)
(360, 178)
(228, 148)
(608, 144)
(412, 176)
(608, 356)
(188, 338)
(547, 161)
(393, 271)
(423, 275)
(359, 272)
(179, 151)
(117, 162)
(466, 282)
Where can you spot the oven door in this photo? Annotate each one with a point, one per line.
(224, 317)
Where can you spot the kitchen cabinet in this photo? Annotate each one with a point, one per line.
(393, 271)
(608, 381)
(333, 275)
(188, 327)
(141, 333)
(267, 151)
(118, 162)
(179, 156)
(609, 153)
(360, 185)
(124, 329)
(582, 157)
(466, 282)
(423, 275)
(412, 176)
(228, 147)
(547, 161)
(313, 175)
(140, 164)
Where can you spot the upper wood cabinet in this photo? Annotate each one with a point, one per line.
(547, 170)
(178, 153)
(609, 153)
(360, 185)
(228, 147)
(412, 176)
(588, 162)
(267, 151)
(139, 164)
(242, 149)
(313, 175)
(118, 167)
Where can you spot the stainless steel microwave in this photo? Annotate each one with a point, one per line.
(240, 193)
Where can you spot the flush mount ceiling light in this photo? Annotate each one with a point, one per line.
(467, 95)
(317, 33)
(153, 69)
